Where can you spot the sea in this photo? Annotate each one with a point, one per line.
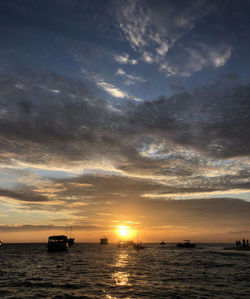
(106, 271)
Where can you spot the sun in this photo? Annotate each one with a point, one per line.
(123, 231)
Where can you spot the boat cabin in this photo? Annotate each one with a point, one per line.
(186, 244)
(104, 241)
(57, 243)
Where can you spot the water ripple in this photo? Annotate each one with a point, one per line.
(94, 271)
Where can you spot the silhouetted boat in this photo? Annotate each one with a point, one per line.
(71, 242)
(139, 246)
(186, 244)
(162, 243)
(130, 243)
(239, 248)
(59, 243)
(104, 241)
(125, 244)
(122, 244)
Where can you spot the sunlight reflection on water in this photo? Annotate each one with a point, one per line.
(121, 278)
(122, 259)
(111, 297)
(92, 271)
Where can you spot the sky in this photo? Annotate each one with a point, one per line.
(129, 113)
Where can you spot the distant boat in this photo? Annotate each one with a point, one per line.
(239, 248)
(59, 243)
(71, 242)
(186, 244)
(104, 241)
(125, 244)
(162, 243)
(244, 246)
(130, 243)
(139, 246)
(122, 244)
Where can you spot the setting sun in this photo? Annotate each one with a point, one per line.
(123, 231)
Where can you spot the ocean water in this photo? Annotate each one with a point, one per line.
(95, 271)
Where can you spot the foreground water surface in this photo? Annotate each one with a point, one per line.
(95, 271)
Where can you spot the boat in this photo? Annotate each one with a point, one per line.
(71, 242)
(244, 246)
(130, 243)
(122, 244)
(104, 241)
(59, 243)
(125, 244)
(139, 246)
(186, 244)
(239, 248)
(162, 243)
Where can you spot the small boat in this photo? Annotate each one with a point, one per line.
(139, 246)
(71, 242)
(186, 244)
(104, 241)
(125, 244)
(162, 243)
(239, 248)
(130, 243)
(59, 243)
(122, 244)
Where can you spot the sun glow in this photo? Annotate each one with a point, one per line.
(123, 231)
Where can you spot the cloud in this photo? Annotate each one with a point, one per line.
(116, 92)
(94, 190)
(184, 144)
(111, 89)
(212, 119)
(125, 159)
(124, 59)
(130, 79)
(196, 57)
(211, 214)
(161, 33)
(36, 228)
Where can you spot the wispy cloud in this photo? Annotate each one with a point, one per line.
(112, 90)
(157, 32)
(130, 79)
(197, 57)
(115, 91)
(125, 59)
